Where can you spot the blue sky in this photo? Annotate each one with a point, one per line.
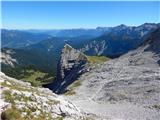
(61, 15)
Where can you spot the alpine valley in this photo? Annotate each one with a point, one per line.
(106, 73)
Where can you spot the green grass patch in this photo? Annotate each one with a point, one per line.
(15, 86)
(72, 88)
(37, 78)
(11, 98)
(76, 84)
(59, 118)
(11, 114)
(8, 96)
(15, 114)
(51, 102)
(30, 74)
(156, 106)
(97, 59)
(70, 92)
(34, 78)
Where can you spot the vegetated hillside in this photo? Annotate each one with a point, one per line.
(34, 60)
(124, 88)
(40, 57)
(29, 66)
(17, 38)
(50, 47)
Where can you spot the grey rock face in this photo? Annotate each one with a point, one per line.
(153, 43)
(42, 100)
(126, 88)
(6, 58)
(70, 58)
(70, 67)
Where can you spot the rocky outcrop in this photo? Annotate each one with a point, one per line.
(70, 59)
(6, 58)
(20, 98)
(153, 42)
(126, 88)
(71, 65)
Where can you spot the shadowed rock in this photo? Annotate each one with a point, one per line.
(70, 66)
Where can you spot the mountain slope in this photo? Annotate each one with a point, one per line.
(124, 88)
(118, 40)
(32, 66)
(44, 55)
(20, 100)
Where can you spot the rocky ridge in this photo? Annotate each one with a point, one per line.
(126, 88)
(119, 40)
(7, 59)
(34, 103)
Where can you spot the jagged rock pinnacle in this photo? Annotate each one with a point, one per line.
(72, 61)
(67, 46)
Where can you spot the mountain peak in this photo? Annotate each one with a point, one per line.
(122, 26)
(69, 53)
(71, 62)
(67, 47)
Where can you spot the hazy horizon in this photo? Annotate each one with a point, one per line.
(75, 28)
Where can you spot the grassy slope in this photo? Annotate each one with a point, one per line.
(15, 113)
(72, 87)
(30, 74)
(37, 78)
(97, 59)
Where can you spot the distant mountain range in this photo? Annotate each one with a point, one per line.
(72, 32)
(42, 48)
(118, 40)
(23, 38)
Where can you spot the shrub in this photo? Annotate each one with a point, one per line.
(11, 114)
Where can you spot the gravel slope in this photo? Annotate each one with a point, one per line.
(127, 88)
